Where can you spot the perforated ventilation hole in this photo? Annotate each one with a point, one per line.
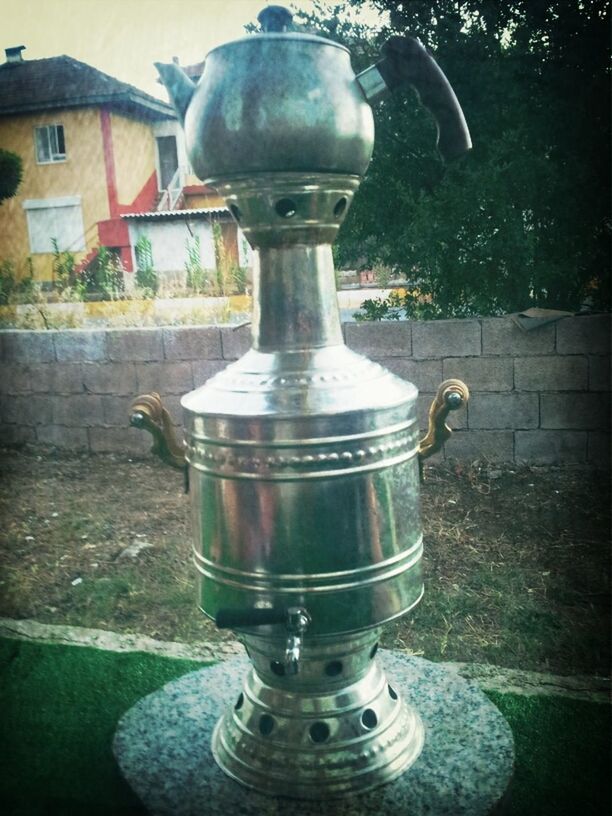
(266, 725)
(392, 692)
(340, 207)
(286, 208)
(235, 211)
(277, 668)
(333, 668)
(239, 702)
(369, 719)
(319, 732)
(373, 651)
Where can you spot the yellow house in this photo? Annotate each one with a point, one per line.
(93, 149)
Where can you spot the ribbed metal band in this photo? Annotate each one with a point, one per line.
(306, 459)
(323, 582)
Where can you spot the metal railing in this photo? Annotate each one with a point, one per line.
(173, 191)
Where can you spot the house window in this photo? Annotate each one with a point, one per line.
(167, 158)
(59, 219)
(50, 144)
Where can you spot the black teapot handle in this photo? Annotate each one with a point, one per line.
(406, 61)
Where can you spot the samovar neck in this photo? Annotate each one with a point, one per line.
(295, 305)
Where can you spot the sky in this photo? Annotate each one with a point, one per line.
(125, 37)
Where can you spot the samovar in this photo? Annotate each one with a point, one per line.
(303, 457)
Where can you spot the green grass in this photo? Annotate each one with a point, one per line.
(60, 706)
(562, 755)
(499, 613)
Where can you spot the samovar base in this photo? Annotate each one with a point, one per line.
(163, 748)
(318, 744)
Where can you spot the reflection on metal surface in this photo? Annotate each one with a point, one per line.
(303, 455)
(283, 730)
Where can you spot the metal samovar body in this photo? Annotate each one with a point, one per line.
(303, 456)
(304, 481)
(303, 468)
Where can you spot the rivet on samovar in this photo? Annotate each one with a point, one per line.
(303, 456)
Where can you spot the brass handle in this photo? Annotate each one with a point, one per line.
(147, 411)
(452, 394)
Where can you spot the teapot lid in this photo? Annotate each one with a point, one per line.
(275, 18)
(275, 22)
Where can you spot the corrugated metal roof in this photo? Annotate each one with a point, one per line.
(162, 215)
(64, 82)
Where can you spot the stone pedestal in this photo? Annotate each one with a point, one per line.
(162, 746)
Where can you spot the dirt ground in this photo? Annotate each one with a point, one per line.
(517, 559)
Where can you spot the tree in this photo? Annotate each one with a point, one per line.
(521, 220)
(11, 172)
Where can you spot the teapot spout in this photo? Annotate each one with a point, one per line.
(180, 88)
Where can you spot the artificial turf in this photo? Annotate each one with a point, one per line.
(60, 705)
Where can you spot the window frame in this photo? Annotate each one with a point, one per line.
(56, 156)
(78, 244)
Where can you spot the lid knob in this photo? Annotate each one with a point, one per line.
(274, 18)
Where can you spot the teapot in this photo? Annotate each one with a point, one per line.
(282, 101)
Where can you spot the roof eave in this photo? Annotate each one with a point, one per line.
(148, 107)
(167, 215)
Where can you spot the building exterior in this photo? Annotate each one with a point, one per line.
(94, 150)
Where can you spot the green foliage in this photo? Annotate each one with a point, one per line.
(227, 278)
(70, 286)
(146, 276)
(63, 267)
(102, 276)
(27, 290)
(382, 274)
(230, 278)
(389, 308)
(11, 173)
(105, 274)
(239, 279)
(523, 219)
(7, 281)
(15, 290)
(197, 276)
(222, 282)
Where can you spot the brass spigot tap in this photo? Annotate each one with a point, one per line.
(297, 623)
(295, 619)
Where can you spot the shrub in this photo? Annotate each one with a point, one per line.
(523, 219)
(15, 290)
(239, 279)
(109, 272)
(11, 173)
(197, 277)
(146, 276)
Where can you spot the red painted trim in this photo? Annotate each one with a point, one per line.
(199, 189)
(145, 200)
(109, 162)
(80, 267)
(126, 258)
(113, 232)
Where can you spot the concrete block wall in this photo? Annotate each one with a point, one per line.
(540, 397)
